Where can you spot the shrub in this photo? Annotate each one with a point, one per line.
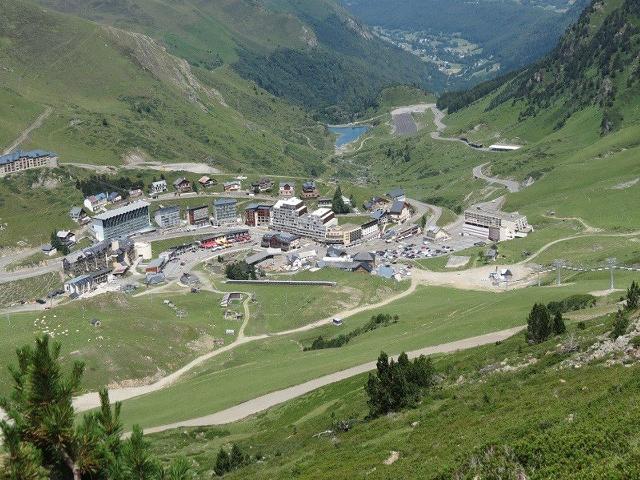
(539, 324)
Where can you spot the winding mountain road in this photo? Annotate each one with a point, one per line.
(511, 185)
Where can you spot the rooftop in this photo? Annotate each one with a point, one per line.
(513, 216)
(224, 201)
(122, 210)
(12, 157)
(292, 202)
(169, 209)
(396, 192)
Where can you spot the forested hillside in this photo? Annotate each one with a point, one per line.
(118, 95)
(511, 33)
(310, 52)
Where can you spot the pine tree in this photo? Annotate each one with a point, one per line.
(223, 463)
(620, 325)
(43, 438)
(633, 296)
(237, 458)
(558, 324)
(337, 204)
(539, 325)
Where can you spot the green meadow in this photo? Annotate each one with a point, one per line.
(430, 316)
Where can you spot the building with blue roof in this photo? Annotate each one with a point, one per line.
(19, 161)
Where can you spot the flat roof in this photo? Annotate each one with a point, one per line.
(120, 210)
(496, 213)
(293, 201)
(502, 146)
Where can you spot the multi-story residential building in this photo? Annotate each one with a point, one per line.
(122, 222)
(158, 187)
(310, 190)
(370, 229)
(87, 260)
(315, 224)
(198, 216)
(86, 283)
(495, 225)
(285, 214)
(257, 215)
(167, 217)
(20, 161)
(77, 214)
(225, 211)
(399, 212)
(287, 189)
(347, 234)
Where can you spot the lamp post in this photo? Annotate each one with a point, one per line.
(611, 263)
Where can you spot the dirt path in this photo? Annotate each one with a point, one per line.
(27, 131)
(587, 228)
(261, 403)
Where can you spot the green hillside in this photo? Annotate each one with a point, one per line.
(505, 411)
(309, 52)
(114, 92)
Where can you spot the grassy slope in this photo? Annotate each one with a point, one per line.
(428, 317)
(106, 104)
(562, 424)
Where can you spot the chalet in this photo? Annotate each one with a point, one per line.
(380, 216)
(95, 202)
(206, 182)
(325, 202)
(263, 185)
(397, 195)
(77, 214)
(48, 250)
(359, 267)
(66, 237)
(287, 189)
(135, 193)
(434, 233)
(182, 185)
(399, 211)
(114, 197)
(366, 258)
(232, 186)
(156, 265)
(158, 187)
(282, 240)
(376, 203)
(310, 190)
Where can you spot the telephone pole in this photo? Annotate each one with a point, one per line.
(559, 264)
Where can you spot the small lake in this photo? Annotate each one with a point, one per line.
(347, 135)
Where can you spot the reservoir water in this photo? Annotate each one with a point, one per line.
(347, 135)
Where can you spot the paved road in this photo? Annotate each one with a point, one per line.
(511, 185)
(269, 400)
(27, 131)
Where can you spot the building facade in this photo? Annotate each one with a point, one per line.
(225, 211)
(20, 161)
(370, 229)
(287, 189)
(158, 187)
(285, 214)
(257, 215)
(168, 217)
(198, 216)
(495, 225)
(122, 222)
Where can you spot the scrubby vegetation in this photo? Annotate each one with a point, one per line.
(377, 321)
(240, 271)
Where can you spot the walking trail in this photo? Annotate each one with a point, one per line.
(27, 131)
(264, 402)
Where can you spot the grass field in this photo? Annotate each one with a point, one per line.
(139, 337)
(280, 308)
(430, 316)
(538, 410)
